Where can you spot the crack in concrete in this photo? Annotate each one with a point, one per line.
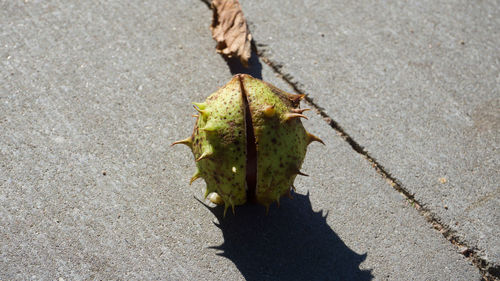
(488, 271)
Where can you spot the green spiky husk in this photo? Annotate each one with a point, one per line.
(281, 142)
(220, 134)
(219, 141)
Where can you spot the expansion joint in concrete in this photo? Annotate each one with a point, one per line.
(489, 271)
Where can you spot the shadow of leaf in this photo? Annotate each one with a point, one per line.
(291, 243)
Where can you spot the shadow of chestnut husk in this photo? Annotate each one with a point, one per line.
(291, 243)
(254, 66)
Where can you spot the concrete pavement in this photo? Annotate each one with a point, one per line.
(416, 86)
(92, 95)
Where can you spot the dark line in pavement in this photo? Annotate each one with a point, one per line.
(488, 270)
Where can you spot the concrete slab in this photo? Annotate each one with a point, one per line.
(416, 84)
(92, 95)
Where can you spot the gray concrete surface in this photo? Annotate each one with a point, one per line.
(415, 83)
(92, 95)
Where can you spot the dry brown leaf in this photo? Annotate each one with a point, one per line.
(230, 30)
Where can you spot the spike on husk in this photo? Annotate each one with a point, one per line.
(290, 116)
(210, 127)
(301, 173)
(311, 138)
(243, 145)
(203, 112)
(299, 110)
(200, 105)
(269, 111)
(196, 176)
(205, 155)
(226, 206)
(186, 141)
